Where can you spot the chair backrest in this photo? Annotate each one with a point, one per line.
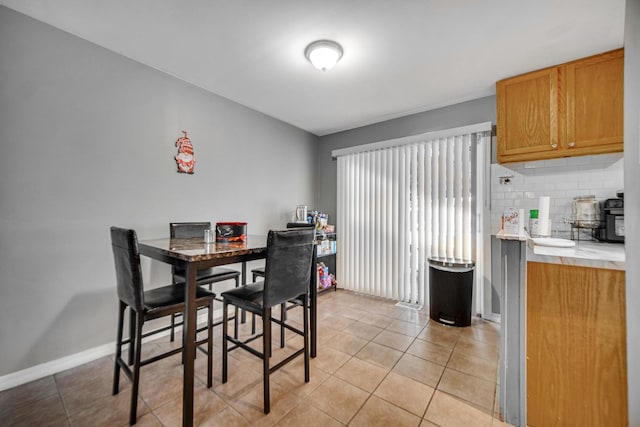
(288, 266)
(180, 230)
(128, 271)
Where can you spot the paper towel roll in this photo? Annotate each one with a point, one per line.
(543, 216)
(521, 222)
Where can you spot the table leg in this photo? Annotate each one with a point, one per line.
(244, 283)
(189, 346)
(313, 300)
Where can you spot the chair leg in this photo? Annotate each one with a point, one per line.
(210, 346)
(225, 329)
(116, 369)
(253, 324)
(266, 352)
(236, 311)
(132, 334)
(283, 318)
(305, 322)
(173, 326)
(133, 414)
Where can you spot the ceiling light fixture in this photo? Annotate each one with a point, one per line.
(323, 54)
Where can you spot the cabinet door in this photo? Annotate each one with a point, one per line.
(594, 104)
(528, 115)
(576, 346)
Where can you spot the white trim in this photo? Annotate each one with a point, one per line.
(52, 367)
(462, 130)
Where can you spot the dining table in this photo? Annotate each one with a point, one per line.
(193, 254)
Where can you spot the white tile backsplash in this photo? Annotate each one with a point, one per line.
(561, 179)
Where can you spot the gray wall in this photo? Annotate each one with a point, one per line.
(466, 113)
(632, 200)
(88, 142)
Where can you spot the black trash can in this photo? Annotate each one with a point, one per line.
(450, 291)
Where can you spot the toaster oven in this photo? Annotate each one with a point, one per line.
(611, 227)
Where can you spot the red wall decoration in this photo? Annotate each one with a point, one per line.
(185, 159)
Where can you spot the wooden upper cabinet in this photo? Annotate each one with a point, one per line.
(528, 113)
(594, 103)
(567, 110)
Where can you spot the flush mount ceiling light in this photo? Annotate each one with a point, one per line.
(323, 54)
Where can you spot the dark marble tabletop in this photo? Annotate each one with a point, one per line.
(195, 249)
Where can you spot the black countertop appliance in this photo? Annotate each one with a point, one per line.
(611, 227)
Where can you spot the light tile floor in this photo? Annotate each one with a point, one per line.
(377, 365)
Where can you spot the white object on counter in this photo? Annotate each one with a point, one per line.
(554, 242)
(521, 222)
(544, 227)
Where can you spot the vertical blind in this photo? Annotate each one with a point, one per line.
(399, 205)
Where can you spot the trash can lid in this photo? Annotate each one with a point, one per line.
(451, 262)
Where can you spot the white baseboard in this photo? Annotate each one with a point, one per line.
(36, 372)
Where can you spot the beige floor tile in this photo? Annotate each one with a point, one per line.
(336, 322)
(238, 382)
(467, 387)
(308, 416)
(79, 396)
(228, 417)
(346, 343)
(378, 412)
(330, 360)
(109, 411)
(418, 317)
(406, 328)
(430, 351)
(291, 377)
(394, 340)
(377, 320)
(156, 390)
(438, 334)
(362, 374)
(325, 335)
(477, 366)
(379, 355)
(48, 411)
(389, 380)
(354, 312)
(498, 423)
(338, 398)
(406, 393)
(447, 411)
(363, 330)
(251, 404)
(478, 348)
(147, 420)
(27, 394)
(86, 374)
(421, 370)
(485, 331)
(206, 404)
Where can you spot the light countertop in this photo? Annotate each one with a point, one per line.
(585, 254)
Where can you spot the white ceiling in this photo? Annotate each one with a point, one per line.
(400, 56)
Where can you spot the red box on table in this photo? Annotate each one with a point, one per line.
(231, 232)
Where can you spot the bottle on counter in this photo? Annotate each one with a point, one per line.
(533, 223)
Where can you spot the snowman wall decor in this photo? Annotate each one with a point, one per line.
(185, 158)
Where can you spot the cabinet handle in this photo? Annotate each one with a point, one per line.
(572, 144)
(554, 146)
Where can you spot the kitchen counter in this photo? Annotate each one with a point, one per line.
(585, 254)
(515, 252)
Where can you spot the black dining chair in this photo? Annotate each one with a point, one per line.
(287, 277)
(144, 306)
(209, 276)
(259, 272)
